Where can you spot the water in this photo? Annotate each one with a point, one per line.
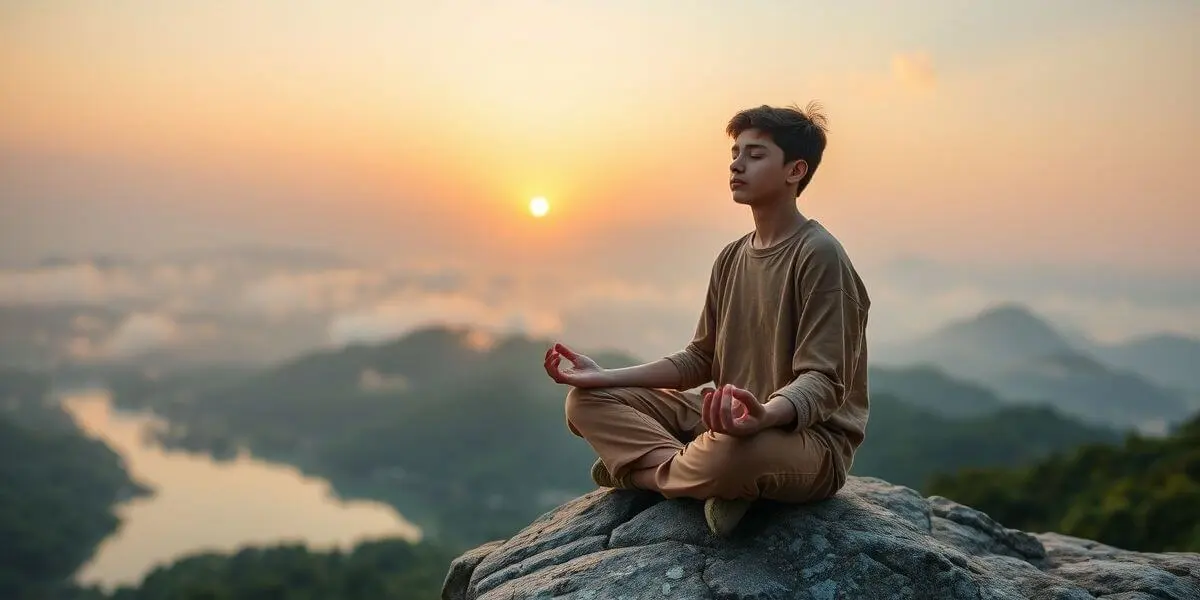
(200, 504)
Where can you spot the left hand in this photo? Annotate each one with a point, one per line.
(734, 411)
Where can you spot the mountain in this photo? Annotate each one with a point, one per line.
(1167, 359)
(1002, 335)
(1023, 358)
(930, 388)
(1082, 386)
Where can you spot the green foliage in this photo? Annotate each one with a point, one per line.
(1140, 495)
(380, 569)
(57, 488)
(906, 445)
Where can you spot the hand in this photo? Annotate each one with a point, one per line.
(734, 411)
(583, 372)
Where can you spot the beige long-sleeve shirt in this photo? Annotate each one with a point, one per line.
(788, 321)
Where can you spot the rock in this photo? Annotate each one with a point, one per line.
(873, 540)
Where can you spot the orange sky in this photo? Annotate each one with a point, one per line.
(998, 134)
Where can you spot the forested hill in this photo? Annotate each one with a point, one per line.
(907, 444)
(1143, 494)
(57, 490)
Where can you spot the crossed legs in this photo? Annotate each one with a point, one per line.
(658, 438)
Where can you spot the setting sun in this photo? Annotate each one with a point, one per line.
(539, 206)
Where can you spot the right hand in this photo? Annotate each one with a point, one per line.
(583, 372)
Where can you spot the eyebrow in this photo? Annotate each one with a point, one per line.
(749, 146)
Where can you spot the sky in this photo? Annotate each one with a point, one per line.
(979, 152)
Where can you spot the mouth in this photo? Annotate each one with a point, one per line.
(736, 183)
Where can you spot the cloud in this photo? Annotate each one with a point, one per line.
(141, 333)
(68, 284)
(914, 71)
(645, 320)
(404, 313)
(913, 297)
(219, 310)
(285, 294)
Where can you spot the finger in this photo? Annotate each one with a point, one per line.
(707, 414)
(745, 428)
(739, 410)
(719, 400)
(707, 394)
(714, 411)
(567, 352)
(753, 406)
(727, 408)
(552, 371)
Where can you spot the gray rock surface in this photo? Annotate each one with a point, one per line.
(873, 540)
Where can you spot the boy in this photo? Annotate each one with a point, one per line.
(781, 335)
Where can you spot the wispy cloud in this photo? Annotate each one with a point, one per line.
(264, 310)
(401, 314)
(140, 333)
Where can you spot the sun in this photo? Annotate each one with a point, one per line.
(539, 206)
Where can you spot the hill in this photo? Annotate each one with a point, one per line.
(57, 490)
(907, 444)
(931, 388)
(1140, 495)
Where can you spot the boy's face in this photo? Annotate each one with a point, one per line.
(758, 174)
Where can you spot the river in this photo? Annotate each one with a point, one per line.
(201, 504)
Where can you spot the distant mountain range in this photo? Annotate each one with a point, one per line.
(1167, 359)
(1148, 383)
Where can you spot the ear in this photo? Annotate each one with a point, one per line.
(799, 170)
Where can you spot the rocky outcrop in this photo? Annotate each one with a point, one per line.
(873, 540)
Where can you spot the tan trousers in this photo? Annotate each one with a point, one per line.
(625, 424)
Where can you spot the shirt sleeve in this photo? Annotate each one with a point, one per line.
(828, 340)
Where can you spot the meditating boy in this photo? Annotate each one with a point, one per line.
(781, 335)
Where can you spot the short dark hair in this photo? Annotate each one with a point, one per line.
(799, 132)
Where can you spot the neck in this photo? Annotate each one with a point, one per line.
(775, 221)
